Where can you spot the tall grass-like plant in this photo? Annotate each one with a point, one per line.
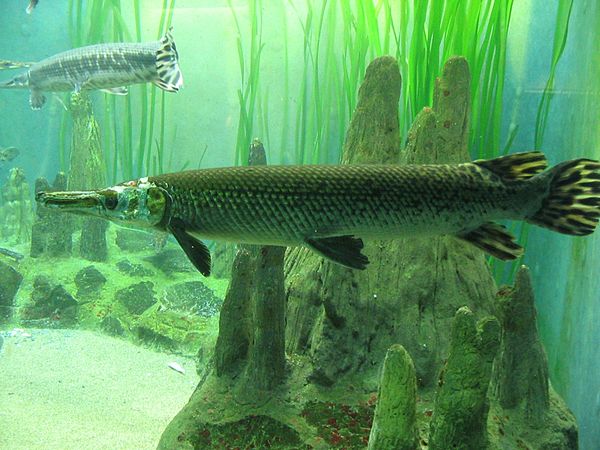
(341, 38)
(506, 272)
(561, 32)
(431, 31)
(134, 152)
(249, 55)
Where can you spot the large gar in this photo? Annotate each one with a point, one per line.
(329, 208)
(108, 67)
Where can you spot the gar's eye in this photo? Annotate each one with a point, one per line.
(111, 202)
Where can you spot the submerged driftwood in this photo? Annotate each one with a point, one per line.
(346, 319)
(395, 419)
(424, 294)
(86, 172)
(525, 410)
(461, 405)
(52, 231)
(252, 320)
(16, 213)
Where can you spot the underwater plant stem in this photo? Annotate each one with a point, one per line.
(561, 32)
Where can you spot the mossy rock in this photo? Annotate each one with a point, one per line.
(137, 298)
(170, 330)
(133, 269)
(89, 282)
(11, 281)
(171, 261)
(133, 240)
(52, 305)
(193, 298)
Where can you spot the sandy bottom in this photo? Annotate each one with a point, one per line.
(68, 389)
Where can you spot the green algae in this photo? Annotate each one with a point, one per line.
(164, 330)
(252, 432)
(170, 330)
(341, 425)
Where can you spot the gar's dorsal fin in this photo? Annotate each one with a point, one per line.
(197, 252)
(519, 166)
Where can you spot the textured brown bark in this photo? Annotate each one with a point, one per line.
(461, 405)
(345, 319)
(341, 322)
(395, 421)
(86, 171)
(235, 321)
(521, 375)
(52, 231)
(266, 358)
(252, 320)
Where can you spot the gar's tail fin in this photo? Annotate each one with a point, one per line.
(5, 64)
(18, 82)
(167, 65)
(572, 205)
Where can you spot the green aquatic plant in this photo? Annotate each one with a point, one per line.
(134, 151)
(249, 56)
(341, 38)
(561, 32)
(505, 273)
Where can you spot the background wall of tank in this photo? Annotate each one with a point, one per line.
(566, 270)
(202, 122)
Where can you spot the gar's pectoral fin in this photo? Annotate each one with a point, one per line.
(36, 99)
(121, 90)
(344, 250)
(197, 252)
(494, 239)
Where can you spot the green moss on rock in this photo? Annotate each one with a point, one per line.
(138, 297)
(252, 432)
(340, 425)
(170, 330)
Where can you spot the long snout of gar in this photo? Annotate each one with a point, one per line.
(74, 201)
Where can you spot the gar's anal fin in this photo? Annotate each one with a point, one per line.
(344, 250)
(197, 252)
(494, 239)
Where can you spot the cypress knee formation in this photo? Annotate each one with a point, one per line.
(15, 208)
(251, 325)
(522, 369)
(340, 324)
(395, 422)
(461, 405)
(51, 232)
(346, 320)
(86, 172)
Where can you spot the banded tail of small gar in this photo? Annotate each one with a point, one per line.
(108, 67)
(6, 64)
(31, 6)
(326, 207)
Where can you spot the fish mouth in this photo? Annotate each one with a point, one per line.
(85, 202)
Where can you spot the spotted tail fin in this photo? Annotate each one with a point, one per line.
(573, 202)
(167, 65)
